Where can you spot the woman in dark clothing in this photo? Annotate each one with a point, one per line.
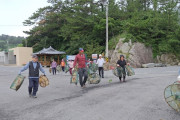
(122, 63)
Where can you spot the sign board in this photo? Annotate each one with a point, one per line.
(107, 59)
(70, 57)
(94, 56)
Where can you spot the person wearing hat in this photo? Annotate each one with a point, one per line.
(122, 63)
(100, 63)
(34, 67)
(82, 70)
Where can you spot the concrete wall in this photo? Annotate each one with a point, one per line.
(2, 57)
(6, 59)
(23, 55)
(11, 58)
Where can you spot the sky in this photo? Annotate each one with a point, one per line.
(14, 12)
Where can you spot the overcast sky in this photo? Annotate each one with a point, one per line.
(14, 12)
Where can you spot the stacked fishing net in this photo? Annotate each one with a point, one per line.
(118, 71)
(93, 68)
(43, 81)
(17, 82)
(50, 70)
(59, 69)
(93, 77)
(129, 70)
(172, 96)
(75, 76)
(66, 68)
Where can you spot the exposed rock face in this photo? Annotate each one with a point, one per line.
(149, 65)
(168, 59)
(160, 65)
(135, 53)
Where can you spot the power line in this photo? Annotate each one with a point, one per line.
(10, 25)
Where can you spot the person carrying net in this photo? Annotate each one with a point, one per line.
(121, 63)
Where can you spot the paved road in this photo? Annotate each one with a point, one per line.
(140, 98)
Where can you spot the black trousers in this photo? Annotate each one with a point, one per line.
(33, 86)
(54, 70)
(82, 73)
(63, 68)
(101, 71)
(123, 74)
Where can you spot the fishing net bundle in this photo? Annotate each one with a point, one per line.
(118, 71)
(58, 68)
(93, 68)
(172, 96)
(94, 78)
(129, 70)
(75, 76)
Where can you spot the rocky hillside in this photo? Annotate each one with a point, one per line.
(137, 54)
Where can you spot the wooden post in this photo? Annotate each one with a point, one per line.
(44, 60)
(58, 60)
(41, 58)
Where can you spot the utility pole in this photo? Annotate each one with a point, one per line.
(7, 46)
(105, 3)
(26, 42)
(107, 29)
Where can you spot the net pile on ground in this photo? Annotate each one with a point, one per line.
(75, 76)
(129, 70)
(43, 81)
(59, 69)
(17, 82)
(117, 71)
(172, 96)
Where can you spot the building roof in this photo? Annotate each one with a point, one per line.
(49, 51)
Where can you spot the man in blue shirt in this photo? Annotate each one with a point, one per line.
(34, 67)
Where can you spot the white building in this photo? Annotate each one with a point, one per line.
(2, 57)
(16, 56)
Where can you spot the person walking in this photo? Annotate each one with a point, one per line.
(63, 64)
(70, 63)
(100, 63)
(122, 63)
(34, 67)
(53, 66)
(82, 70)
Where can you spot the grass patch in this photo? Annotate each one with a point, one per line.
(113, 41)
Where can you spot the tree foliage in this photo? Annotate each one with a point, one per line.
(69, 24)
(7, 41)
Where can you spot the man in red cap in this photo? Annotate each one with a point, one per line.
(82, 71)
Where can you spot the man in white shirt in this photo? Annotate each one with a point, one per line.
(100, 63)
